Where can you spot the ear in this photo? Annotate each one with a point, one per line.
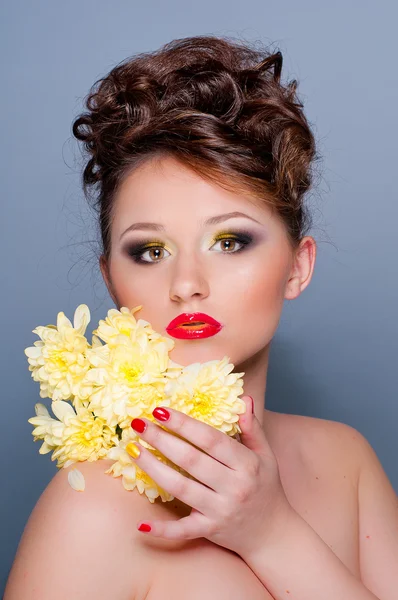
(106, 277)
(302, 269)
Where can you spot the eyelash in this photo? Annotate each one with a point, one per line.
(136, 251)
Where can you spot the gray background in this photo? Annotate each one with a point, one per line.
(335, 353)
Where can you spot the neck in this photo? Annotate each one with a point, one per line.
(255, 379)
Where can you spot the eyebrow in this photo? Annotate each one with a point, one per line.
(211, 221)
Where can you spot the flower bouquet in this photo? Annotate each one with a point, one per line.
(97, 389)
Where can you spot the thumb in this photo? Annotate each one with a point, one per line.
(252, 432)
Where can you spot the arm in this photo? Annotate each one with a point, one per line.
(378, 525)
(300, 565)
(78, 544)
(300, 562)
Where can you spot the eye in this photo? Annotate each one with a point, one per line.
(230, 241)
(154, 251)
(229, 244)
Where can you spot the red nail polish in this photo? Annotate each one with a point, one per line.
(161, 413)
(144, 527)
(139, 425)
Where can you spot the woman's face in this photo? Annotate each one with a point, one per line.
(240, 280)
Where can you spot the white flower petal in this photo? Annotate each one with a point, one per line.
(115, 452)
(41, 410)
(62, 321)
(81, 318)
(130, 472)
(76, 480)
(62, 409)
(33, 351)
(95, 341)
(45, 448)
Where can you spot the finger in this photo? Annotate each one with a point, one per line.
(215, 443)
(204, 468)
(188, 491)
(186, 528)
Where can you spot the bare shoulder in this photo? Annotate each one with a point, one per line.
(93, 532)
(103, 501)
(314, 440)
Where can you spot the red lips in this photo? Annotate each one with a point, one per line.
(207, 327)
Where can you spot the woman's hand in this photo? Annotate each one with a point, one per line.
(237, 501)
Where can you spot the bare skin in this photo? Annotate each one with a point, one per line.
(319, 472)
(188, 271)
(246, 292)
(321, 485)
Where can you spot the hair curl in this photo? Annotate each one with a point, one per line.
(215, 104)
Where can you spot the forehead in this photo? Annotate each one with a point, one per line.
(162, 189)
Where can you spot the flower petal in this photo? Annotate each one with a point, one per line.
(62, 409)
(45, 448)
(33, 351)
(41, 410)
(62, 321)
(76, 480)
(95, 341)
(81, 318)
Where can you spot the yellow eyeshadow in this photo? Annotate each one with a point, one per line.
(224, 236)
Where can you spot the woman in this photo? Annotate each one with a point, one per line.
(201, 159)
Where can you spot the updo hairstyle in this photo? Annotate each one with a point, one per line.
(216, 105)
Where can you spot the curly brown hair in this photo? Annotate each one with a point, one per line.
(215, 104)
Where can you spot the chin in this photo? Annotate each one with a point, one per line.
(187, 352)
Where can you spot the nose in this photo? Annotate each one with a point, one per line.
(188, 281)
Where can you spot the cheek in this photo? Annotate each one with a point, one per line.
(248, 295)
(257, 291)
(132, 286)
(140, 286)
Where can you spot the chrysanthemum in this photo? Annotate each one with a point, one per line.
(124, 374)
(210, 393)
(123, 322)
(73, 436)
(128, 379)
(59, 360)
(133, 477)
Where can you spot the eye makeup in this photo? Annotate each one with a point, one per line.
(136, 250)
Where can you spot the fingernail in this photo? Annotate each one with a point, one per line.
(161, 413)
(144, 527)
(139, 425)
(133, 450)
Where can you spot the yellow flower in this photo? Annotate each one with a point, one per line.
(127, 379)
(59, 360)
(210, 393)
(123, 322)
(133, 477)
(124, 374)
(73, 436)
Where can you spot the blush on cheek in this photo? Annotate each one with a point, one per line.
(127, 292)
(264, 310)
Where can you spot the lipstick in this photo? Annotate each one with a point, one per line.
(193, 326)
